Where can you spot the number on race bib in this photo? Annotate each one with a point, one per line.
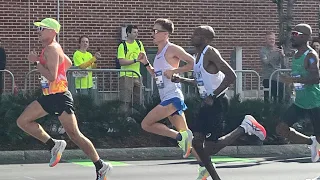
(44, 85)
(159, 79)
(298, 86)
(202, 89)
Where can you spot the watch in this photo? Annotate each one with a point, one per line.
(134, 60)
(36, 63)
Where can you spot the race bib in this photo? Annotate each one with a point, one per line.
(200, 85)
(197, 75)
(202, 89)
(298, 86)
(159, 79)
(80, 74)
(44, 85)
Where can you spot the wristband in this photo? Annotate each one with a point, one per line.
(36, 63)
(134, 60)
(145, 65)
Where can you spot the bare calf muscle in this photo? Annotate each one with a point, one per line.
(56, 100)
(166, 63)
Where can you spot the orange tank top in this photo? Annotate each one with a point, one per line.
(59, 85)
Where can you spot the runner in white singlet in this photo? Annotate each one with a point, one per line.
(212, 76)
(166, 63)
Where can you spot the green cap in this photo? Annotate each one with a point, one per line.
(49, 23)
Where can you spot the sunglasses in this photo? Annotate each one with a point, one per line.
(41, 28)
(296, 33)
(156, 31)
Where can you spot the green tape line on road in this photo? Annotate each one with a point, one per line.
(224, 159)
(88, 163)
(221, 159)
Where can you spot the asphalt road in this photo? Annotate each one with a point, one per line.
(228, 168)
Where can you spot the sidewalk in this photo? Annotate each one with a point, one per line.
(154, 153)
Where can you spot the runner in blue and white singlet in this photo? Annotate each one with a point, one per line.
(166, 63)
(168, 90)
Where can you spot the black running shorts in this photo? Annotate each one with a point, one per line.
(55, 104)
(210, 118)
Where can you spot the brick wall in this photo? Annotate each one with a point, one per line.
(236, 22)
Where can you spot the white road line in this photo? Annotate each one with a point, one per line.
(29, 178)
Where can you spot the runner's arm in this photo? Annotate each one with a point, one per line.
(68, 61)
(184, 56)
(142, 58)
(312, 66)
(188, 81)
(52, 57)
(150, 70)
(223, 66)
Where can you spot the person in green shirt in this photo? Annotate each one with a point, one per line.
(305, 79)
(84, 60)
(128, 53)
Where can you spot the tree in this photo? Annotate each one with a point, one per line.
(285, 23)
(319, 22)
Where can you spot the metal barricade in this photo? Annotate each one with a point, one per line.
(246, 86)
(32, 83)
(270, 83)
(5, 83)
(106, 83)
(188, 90)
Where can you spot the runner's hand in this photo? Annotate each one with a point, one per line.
(209, 100)
(175, 78)
(142, 57)
(33, 56)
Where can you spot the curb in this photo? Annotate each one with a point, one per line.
(154, 153)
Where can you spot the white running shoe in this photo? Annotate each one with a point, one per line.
(104, 171)
(314, 148)
(56, 152)
(251, 126)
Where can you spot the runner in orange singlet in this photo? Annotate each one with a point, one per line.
(56, 100)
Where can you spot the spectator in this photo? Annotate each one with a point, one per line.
(128, 52)
(84, 60)
(316, 44)
(272, 58)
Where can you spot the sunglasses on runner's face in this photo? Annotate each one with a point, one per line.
(296, 33)
(156, 31)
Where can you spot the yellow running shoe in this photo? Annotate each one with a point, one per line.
(186, 143)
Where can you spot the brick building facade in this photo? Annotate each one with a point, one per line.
(236, 22)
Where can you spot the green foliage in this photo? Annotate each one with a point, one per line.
(268, 114)
(105, 119)
(11, 106)
(108, 126)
